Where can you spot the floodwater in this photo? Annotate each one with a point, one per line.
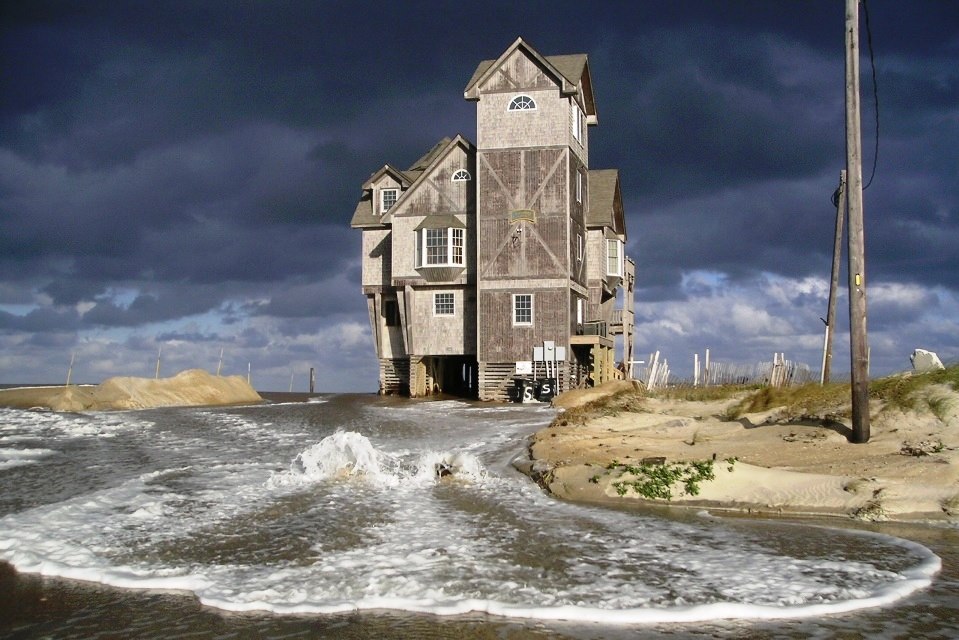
(327, 519)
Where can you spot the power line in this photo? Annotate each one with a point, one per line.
(875, 93)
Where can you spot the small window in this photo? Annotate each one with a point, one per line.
(522, 309)
(443, 304)
(391, 313)
(461, 175)
(522, 103)
(388, 199)
(614, 258)
(579, 187)
(579, 247)
(577, 120)
(579, 311)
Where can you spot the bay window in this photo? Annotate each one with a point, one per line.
(444, 247)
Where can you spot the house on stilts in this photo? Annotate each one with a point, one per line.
(492, 265)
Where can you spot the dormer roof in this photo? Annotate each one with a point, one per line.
(570, 71)
(605, 202)
(401, 177)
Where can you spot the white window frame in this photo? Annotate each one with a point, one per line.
(529, 311)
(614, 269)
(450, 253)
(580, 311)
(579, 247)
(579, 186)
(522, 102)
(383, 206)
(445, 300)
(461, 175)
(577, 120)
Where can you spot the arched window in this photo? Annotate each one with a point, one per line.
(461, 175)
(522, 103)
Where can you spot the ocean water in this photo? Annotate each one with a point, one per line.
(327, 519)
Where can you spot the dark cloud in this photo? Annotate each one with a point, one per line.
(44, 320)
(185, 172)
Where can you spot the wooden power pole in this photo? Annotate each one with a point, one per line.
(858, 345)
(834, 280)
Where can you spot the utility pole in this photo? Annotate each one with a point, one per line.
(858, 344)
(73, 356)
(834, 280)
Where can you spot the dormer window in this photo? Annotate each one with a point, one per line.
(388, 199)
(522, 103)
(462, 175)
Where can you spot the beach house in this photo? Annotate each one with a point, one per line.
(498, 269)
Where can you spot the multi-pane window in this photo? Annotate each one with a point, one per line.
(443, 304)
(522, 103)
(456, 246)
(388, 199)
(441, 247)
(523, 309)
(576, 120)
(436, 246)
(461, 175)
(614, 258)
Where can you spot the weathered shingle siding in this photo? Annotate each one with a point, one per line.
(377, 257)
(502, 341)
(547, 125)
(443, 335)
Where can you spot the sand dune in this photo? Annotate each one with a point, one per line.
(193, 387)
(908, 470)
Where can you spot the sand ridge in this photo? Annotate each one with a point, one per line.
(780, 465)
(192, 387)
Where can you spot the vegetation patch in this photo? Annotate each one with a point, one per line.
(656, 481)
(902, 392)
(701, 393)
(626, 401)
(921, 448)
(797, 401)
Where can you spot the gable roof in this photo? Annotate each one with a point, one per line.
(365, 216)
(402, 177)
(605, 201)
(571, 72)
(424, 166)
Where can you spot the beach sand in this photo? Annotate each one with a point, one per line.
(764, 463)
(193, 387)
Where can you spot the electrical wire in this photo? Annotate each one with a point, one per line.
(875, 93)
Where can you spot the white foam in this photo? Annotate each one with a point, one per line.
(10, 458)
(344, 453)
(383, 531)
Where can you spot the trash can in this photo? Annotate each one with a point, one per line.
(546, 389)
(522, 390)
